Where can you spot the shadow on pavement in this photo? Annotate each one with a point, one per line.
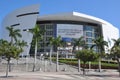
(7, 77)
(96, 75)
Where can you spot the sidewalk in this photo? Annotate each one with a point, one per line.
(61, 76)
(22, 71)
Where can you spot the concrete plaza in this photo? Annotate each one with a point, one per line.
(108, 75)
(23, 71)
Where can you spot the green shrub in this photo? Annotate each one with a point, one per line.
(94, 65)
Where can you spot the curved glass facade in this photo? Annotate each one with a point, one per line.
(90, 32)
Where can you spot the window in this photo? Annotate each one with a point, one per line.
(49, 33)
(88, 28)
(96, 30)
(89, 45)
(89, 40)
(89, 34)
(96, 35)
(42, 27)
(49, 26)
(25, 14)
(47, 38)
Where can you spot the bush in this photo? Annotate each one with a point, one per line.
(94, 65)
(112, 62)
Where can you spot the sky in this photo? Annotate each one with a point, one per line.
(108, 10)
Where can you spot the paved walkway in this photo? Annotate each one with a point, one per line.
(109, 75)
(41, 65)
(22, 71)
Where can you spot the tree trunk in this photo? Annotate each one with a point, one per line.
(119, 68)
(78, 65)
(83, 68)
(34, 64)
(51, 54)
(7, 70)
(99, 64)
(9, 66)
(118, 60)
(9, 58)
(89, 66)
(57, 63)
(27, 63)
(44, 65)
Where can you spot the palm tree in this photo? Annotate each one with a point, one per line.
(99, 43)
(115, 52)
(37, 35)
(21, 44)
(57, 43)
(13, 34)
(51, 42)
(78, 43)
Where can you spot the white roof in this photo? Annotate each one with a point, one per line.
(74, 16)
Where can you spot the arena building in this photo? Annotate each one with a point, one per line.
(68, 25)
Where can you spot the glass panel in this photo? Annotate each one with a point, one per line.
(49, 26)
(89, 40)
(49, 33)
(88, 28)
(96, 35)
(89, 45)
(89, 34)
(96, 30)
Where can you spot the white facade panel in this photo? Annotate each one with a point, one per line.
(109, 33)
(26, 19)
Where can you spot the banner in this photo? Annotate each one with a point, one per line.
(69, 30)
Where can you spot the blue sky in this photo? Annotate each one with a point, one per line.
(108, 10)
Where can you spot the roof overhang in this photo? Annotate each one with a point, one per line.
(73, 16)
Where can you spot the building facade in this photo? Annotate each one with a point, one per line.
(67, 25)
